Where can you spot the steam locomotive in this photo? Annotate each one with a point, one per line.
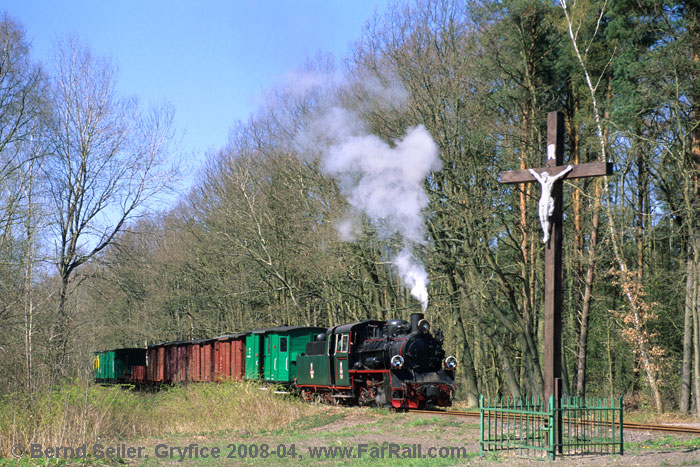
(392, 363)
(395, 363)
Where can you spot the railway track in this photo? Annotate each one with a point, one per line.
(626, 425)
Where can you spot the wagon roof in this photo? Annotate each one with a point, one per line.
(229, 336)
(168, 344)
(286, 328)
(121, 348)
(199, 341)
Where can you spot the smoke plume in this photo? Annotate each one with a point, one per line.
(385, 182)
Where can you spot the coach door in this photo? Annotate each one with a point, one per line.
(283, 359)
(253, 361)
(270, 358)
(342, 344)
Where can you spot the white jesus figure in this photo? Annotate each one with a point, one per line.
(546, 201)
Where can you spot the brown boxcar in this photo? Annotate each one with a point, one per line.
(176, 362)
(206, 356)
(181, 375)
(138, 374)
(229, 357)
(151, 362)
(199, 360)
(170, 362)
(155, 372)
(193, 361)
(167, 362)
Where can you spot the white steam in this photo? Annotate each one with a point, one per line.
(384, 181)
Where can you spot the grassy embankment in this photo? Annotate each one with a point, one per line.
(75, 414)
(239, 413)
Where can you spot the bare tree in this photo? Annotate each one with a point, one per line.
(20, 83)
(107, 160)
(21, 86)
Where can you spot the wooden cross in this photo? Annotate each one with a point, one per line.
(553, 248)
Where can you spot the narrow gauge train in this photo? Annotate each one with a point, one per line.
(387, 363)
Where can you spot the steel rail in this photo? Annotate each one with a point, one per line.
(625, 425)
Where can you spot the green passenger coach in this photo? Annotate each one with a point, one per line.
(271, 354)
(282, 346)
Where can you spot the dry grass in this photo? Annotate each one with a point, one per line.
(79, 413)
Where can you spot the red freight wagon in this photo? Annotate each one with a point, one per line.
(181, 375)
(229, 356)
(199, 360)
(155, 355)
(206, 359)
(175, 362)
(138, 374)
(193, 361)
(151, 362)
(170, 362)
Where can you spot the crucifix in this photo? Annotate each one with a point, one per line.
(550, 213)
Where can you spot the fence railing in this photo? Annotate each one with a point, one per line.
(531, 427)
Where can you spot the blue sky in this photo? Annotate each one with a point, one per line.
(210, 59)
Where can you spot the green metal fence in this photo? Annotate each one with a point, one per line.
(531, 427)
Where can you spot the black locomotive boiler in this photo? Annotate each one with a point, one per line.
(393, 363)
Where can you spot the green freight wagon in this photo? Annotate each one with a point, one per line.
(114, 366)
(282, 345)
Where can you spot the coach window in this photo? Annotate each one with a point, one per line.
(283, 344)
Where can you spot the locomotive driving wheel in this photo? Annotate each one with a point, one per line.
(368, 393)
(367, 396)
(307, 395)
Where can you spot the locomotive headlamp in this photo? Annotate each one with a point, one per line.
(397, 362)
(450, 362)
(424, 326)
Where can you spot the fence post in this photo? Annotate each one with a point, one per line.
(481, 425)
(551, 428)
(622, 438)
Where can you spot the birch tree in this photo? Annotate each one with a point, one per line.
(632, 288)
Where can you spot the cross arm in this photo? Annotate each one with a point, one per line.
(593, 169)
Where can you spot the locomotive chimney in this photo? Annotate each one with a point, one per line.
(415, 319)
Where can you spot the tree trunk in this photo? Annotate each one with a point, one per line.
(29, 308)
(470, 385)
(696, 346)
(469, 375)
(511, 379)
(690, 286)
(59, 347)
(587, 299)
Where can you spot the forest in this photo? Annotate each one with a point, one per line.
(360, 179)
